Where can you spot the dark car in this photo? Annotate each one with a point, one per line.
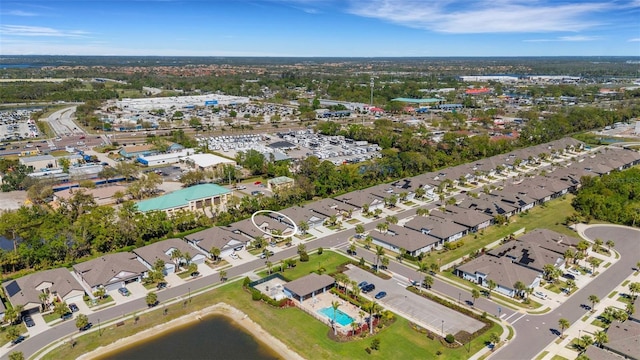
(351, 252)
(568, 276)
(363, 284)
(73, 307)
(124, 291)
(161, 285)
(195, 274)
(368, 288)
(66, 316)
(86, 327)
(17, 340)
(380, 295)
(28, 321)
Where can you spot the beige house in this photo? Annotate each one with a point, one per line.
(280, 183)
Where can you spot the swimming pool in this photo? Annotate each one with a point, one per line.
(341, 318)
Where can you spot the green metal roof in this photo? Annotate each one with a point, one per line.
(418, 101)
(181, 197)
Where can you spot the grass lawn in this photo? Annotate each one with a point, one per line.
(599, 323)
(50, 317)
(105, 300)
(296, 329)
(21, 328)
(626, 282)
(329, 260)
(354, 221)
(549, 217)
(612, 295)
(584, 318)
(558, 357)
(542, 355)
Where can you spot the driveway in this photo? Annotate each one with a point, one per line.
(428, 314)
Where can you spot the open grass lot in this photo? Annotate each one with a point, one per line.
(328, 260)
(300, 331)
(549, 217)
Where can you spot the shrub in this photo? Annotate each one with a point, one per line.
(320, 251)
(362, 263)
(256, 295)
(450, 338)
(304, 257)
(367, 350)
(246, 281)
(375, 344)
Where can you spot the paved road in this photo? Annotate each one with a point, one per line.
(534, 331)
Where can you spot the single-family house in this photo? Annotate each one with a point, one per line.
(398, 237)
(441, 229)
(111, 271)
(308, 286)
(163, 250)
(56, 284)
(221, 237)
(501, 270)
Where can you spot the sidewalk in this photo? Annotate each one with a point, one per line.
(584, 327)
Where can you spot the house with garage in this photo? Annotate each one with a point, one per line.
(55, 284)
(221, 237)
(362, 199)
(442, 229)
(624, 339)
(163, 250)
(111, 271)
(501, 270)
(300, 214)
(329, 207)
(473, 220)
(519, 201)
(488, 204)
(398, 237)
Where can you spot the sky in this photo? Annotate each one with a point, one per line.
(310, 28)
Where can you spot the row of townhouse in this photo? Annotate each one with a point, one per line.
(421, 234)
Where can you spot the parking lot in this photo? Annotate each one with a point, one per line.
(424, 312)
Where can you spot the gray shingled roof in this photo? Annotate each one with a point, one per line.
(438, 227)
(158, 251)
(624, 338)
(220, 237)
(310, 283)
(102, 270)
(402, 237)
(23, 290)
(501, 270)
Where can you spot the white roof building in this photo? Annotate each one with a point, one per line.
(208, 161)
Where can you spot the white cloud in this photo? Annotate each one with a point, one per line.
(469, 17)
(25, 30)
(19, 13)
(634, 40)
(575, 38)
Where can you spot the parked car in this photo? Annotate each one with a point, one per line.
(569, 276)
(363, 284)
(161, 285)
(540, 294)
(573, 272)
(351, 252)
(263, 255)
(86, 327)
(380, 295)
(73, 307)
(28, 321)
(241, 187)
(234, 256)
(124, 291)
(256, 193)
(66, 316)
(17, 340)
(368, 288)
(195, 274)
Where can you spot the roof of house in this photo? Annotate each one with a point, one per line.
(182, 197)
(23, 290)
(402, 237)
(624, 338)
(359, 198)
(488, 204)
(280, 180)
(102, 270)
(501, 270)
(466, 217)
(209, 160)
(546, 237)
(220, 237)
(310, 283)
(299, 214)
(528, 254)
(595, 353)
(437, 227)
(158, 251)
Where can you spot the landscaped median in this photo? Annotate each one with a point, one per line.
(299, 331)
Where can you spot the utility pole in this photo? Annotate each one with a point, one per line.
(372, 83)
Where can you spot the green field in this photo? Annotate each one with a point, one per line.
(329, 261)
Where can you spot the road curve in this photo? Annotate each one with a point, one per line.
(533, 332)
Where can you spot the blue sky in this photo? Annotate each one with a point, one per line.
(370, 28)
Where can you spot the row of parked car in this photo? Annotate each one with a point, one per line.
(366, 288)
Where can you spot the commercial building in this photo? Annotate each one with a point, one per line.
(196, 197)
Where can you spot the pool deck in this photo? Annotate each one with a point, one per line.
(324, 300)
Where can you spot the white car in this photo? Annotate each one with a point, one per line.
(540, 294)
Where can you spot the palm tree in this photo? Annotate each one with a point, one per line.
(335, 305)
(391, 219)
(223, 275)
(610, 244)
(303, 226)
(382, 227)
(491, 285)
(593, 299)
(585, 341)
(215, 252)
(568, 256)
(601, 338)
(597, 243)
(634, 288)
(373, 308)
(379, 254)
(359, 229)
(302, 248)
(368, 240)
(630, 308)
(475, 294)
(520, 287)
(176, 257)
(428, 281)
(564, 324)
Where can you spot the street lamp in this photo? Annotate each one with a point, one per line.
(442, 328)
(99, 329)
(459, 295)
(189, 294)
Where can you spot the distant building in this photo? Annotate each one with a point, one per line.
(196, 197)
(280, 183)
(208, 161)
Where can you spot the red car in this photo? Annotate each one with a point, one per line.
(257, 183)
